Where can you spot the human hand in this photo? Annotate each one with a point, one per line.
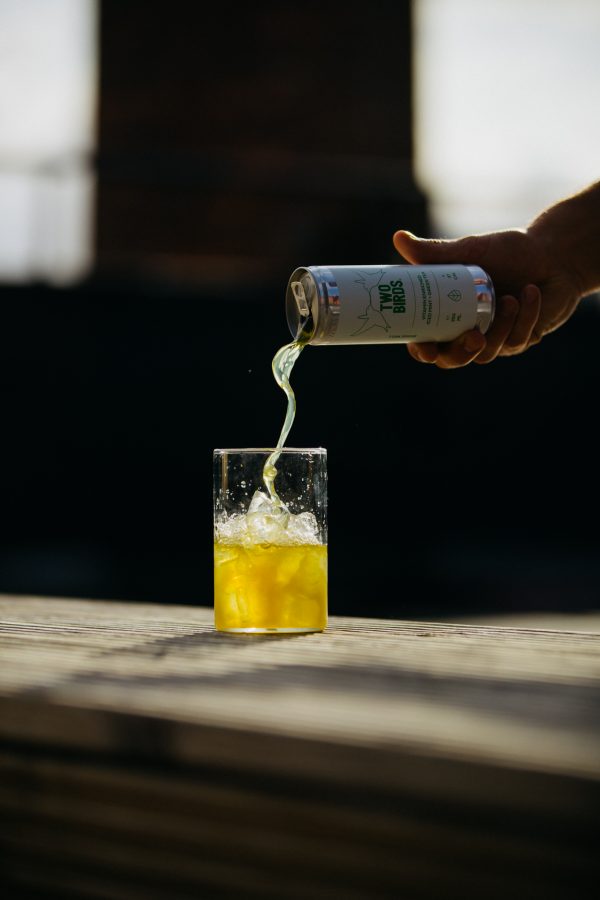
(535, 292)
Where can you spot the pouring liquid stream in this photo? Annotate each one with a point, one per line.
(282, 365)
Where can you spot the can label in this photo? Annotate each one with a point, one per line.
(402, 303)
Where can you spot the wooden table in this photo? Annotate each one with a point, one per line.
(143, 755)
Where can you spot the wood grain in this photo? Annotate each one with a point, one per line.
(144, 754)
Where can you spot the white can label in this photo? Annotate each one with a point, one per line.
(403, 303)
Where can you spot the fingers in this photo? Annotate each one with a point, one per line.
(452, 355)
(420, 250)
(514, 326)
(523, 333)
(466, 250)
(425, 352)
(462, 351)
(512, 332)
(502, 326)
(407, 245)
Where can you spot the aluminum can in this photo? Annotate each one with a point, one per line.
(387, 303)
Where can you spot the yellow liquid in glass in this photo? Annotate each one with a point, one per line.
(264, 587)
(279, 587)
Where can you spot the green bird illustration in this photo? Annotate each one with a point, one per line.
(372, 317)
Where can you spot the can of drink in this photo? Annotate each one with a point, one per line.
(387, 303)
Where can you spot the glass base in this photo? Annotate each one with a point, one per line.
(271, 630)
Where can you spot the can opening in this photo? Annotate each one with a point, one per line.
(300, 297)
(301, 305)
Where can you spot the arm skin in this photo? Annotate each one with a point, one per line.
(540, 274)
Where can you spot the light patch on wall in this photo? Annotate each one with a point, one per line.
(48, 85)
(507, 94)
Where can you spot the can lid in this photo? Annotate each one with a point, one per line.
(486, 298)
(301, 305)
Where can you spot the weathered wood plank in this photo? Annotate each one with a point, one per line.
(519, 698)
(202, 828)
(143, 754)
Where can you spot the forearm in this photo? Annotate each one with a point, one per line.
(569, 231)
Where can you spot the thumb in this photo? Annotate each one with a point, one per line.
(466, 250)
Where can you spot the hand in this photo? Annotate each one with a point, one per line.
(535, 292)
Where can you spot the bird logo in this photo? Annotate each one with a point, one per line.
(372, 317)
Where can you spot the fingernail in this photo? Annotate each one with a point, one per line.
(530, 294)
(473, 342)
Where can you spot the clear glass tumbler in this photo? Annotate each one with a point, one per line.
(270, 545)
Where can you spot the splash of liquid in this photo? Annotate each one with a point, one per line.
(282, 365)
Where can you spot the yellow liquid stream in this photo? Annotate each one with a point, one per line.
(282, 365)
(266, 587)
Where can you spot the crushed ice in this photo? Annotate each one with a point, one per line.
(268, 522)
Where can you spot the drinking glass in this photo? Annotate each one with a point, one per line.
(270, 546)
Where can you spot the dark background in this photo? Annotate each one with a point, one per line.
(232, 149)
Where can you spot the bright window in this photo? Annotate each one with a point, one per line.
(507, 101)
(48, 75)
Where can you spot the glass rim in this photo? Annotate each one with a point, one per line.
(315, 450)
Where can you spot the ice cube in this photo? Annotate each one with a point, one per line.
(231, 529)
(267, 519)
(304, 528)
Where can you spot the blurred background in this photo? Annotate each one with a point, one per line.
(163, 168)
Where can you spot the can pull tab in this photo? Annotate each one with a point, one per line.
(300, 297)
